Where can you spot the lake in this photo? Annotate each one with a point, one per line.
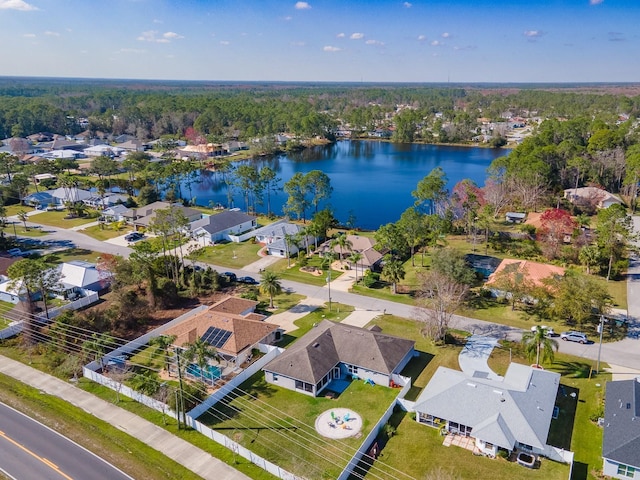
(372, 180)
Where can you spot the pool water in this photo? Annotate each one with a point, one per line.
(210, 373)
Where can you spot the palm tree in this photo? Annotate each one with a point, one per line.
(270, 285)
(201, 351)
(342, 242)
(393, 270)
(163, 342)
(354, 258)
(537, 343)
(22, 215)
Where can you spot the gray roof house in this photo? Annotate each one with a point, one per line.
(38, 198)
(371, 258)
(273, 237)
(333, 351)
(142, 217)
(621, 442)
(513, 413)
(220, 226)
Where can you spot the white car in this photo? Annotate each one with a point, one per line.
(549, 332)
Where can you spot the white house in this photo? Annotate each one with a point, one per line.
(103, 150)
(274, 237)
(219, 227)
(594, 196)
(513, 413)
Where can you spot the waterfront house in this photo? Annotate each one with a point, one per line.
(222, 226)
(591, 197)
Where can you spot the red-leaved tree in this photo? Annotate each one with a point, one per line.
(556, 226)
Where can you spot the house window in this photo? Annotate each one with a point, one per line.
(352, 369)
(275, 377)
(524, 446)
(307, 387)
(626, 471)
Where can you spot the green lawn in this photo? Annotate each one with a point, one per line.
(25, 232)
(338, 312)
(278, 424)
(231, 255)
(382, 292)
(288, 270)
(104, 233)
(56, 219)
(73, 254)
(282, 302)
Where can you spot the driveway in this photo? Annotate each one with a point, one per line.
(473, 357)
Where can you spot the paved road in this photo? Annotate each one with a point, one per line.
(30, 450)
(624, 353)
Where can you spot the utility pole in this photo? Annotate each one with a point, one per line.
(179, 399)
(600, 330)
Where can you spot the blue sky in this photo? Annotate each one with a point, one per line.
(330, 40)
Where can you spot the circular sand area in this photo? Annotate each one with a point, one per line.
(338, 423)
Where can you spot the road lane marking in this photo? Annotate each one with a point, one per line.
(49, 463)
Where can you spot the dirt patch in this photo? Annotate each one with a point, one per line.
(316, 272)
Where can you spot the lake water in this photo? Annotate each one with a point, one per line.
(371, 179)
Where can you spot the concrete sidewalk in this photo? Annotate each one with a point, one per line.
(184, 453)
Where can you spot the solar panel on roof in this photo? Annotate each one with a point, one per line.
(216, 337)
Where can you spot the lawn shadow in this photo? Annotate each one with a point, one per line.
(285, 340)
(572, 369)
(413, 370)
(579, 471)
(561, 428)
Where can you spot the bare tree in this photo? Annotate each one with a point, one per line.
(120, 374)
(440, 296)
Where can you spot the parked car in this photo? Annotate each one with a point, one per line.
(248, 280)
(230, 276)
(134, 236)
(548, 331)
(574, 337)
(14, 252)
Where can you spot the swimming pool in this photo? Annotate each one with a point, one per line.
(211, 373)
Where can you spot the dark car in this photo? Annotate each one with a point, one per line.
(248, 280)
(133, 236)
(230, 276)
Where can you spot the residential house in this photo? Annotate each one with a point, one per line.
(371, 258)
(278, 238)
(532, 272)
(513, 413)
(142, 217)
(231, 326)
(39, 199)
(220, 226)
(114, 213)
(64, 195)
(591, 197)
(102, 150)
(334, 351)
(515, 217)
(621, 440)
(108, 200)
(80, 279)
(132, 146)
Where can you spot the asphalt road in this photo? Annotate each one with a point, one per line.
(624, 353)
(30, 451)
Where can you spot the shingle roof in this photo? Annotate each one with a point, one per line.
(621, 441)
(517, 408)
(221, 221)
(330, 343)
(535, 272)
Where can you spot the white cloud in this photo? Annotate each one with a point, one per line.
(595, 2)
(356, 36)
(329, 48)
(153, 36)
(374, 42)
(17, 5)
(407, 5)
(436, 43)
(465, 47)
(29, 35)
(51, 34)
(302, 6)
(225, 42)
(422, 38)
(340, 35)
(172, 35)
(288, 18)
(533, 33)
(445, 35)
(156, 20)
(131, 50)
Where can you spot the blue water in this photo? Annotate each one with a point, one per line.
(211, 373)
(371, 179)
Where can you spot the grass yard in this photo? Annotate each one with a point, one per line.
(417, 451)
(25, 232)
(339, 312)
(382, 292)
(231, 255)
(56, 219)
(278, 424)
(282, 302)
(104, 233)
(293, 272)
(73, 254)
(150, 356)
